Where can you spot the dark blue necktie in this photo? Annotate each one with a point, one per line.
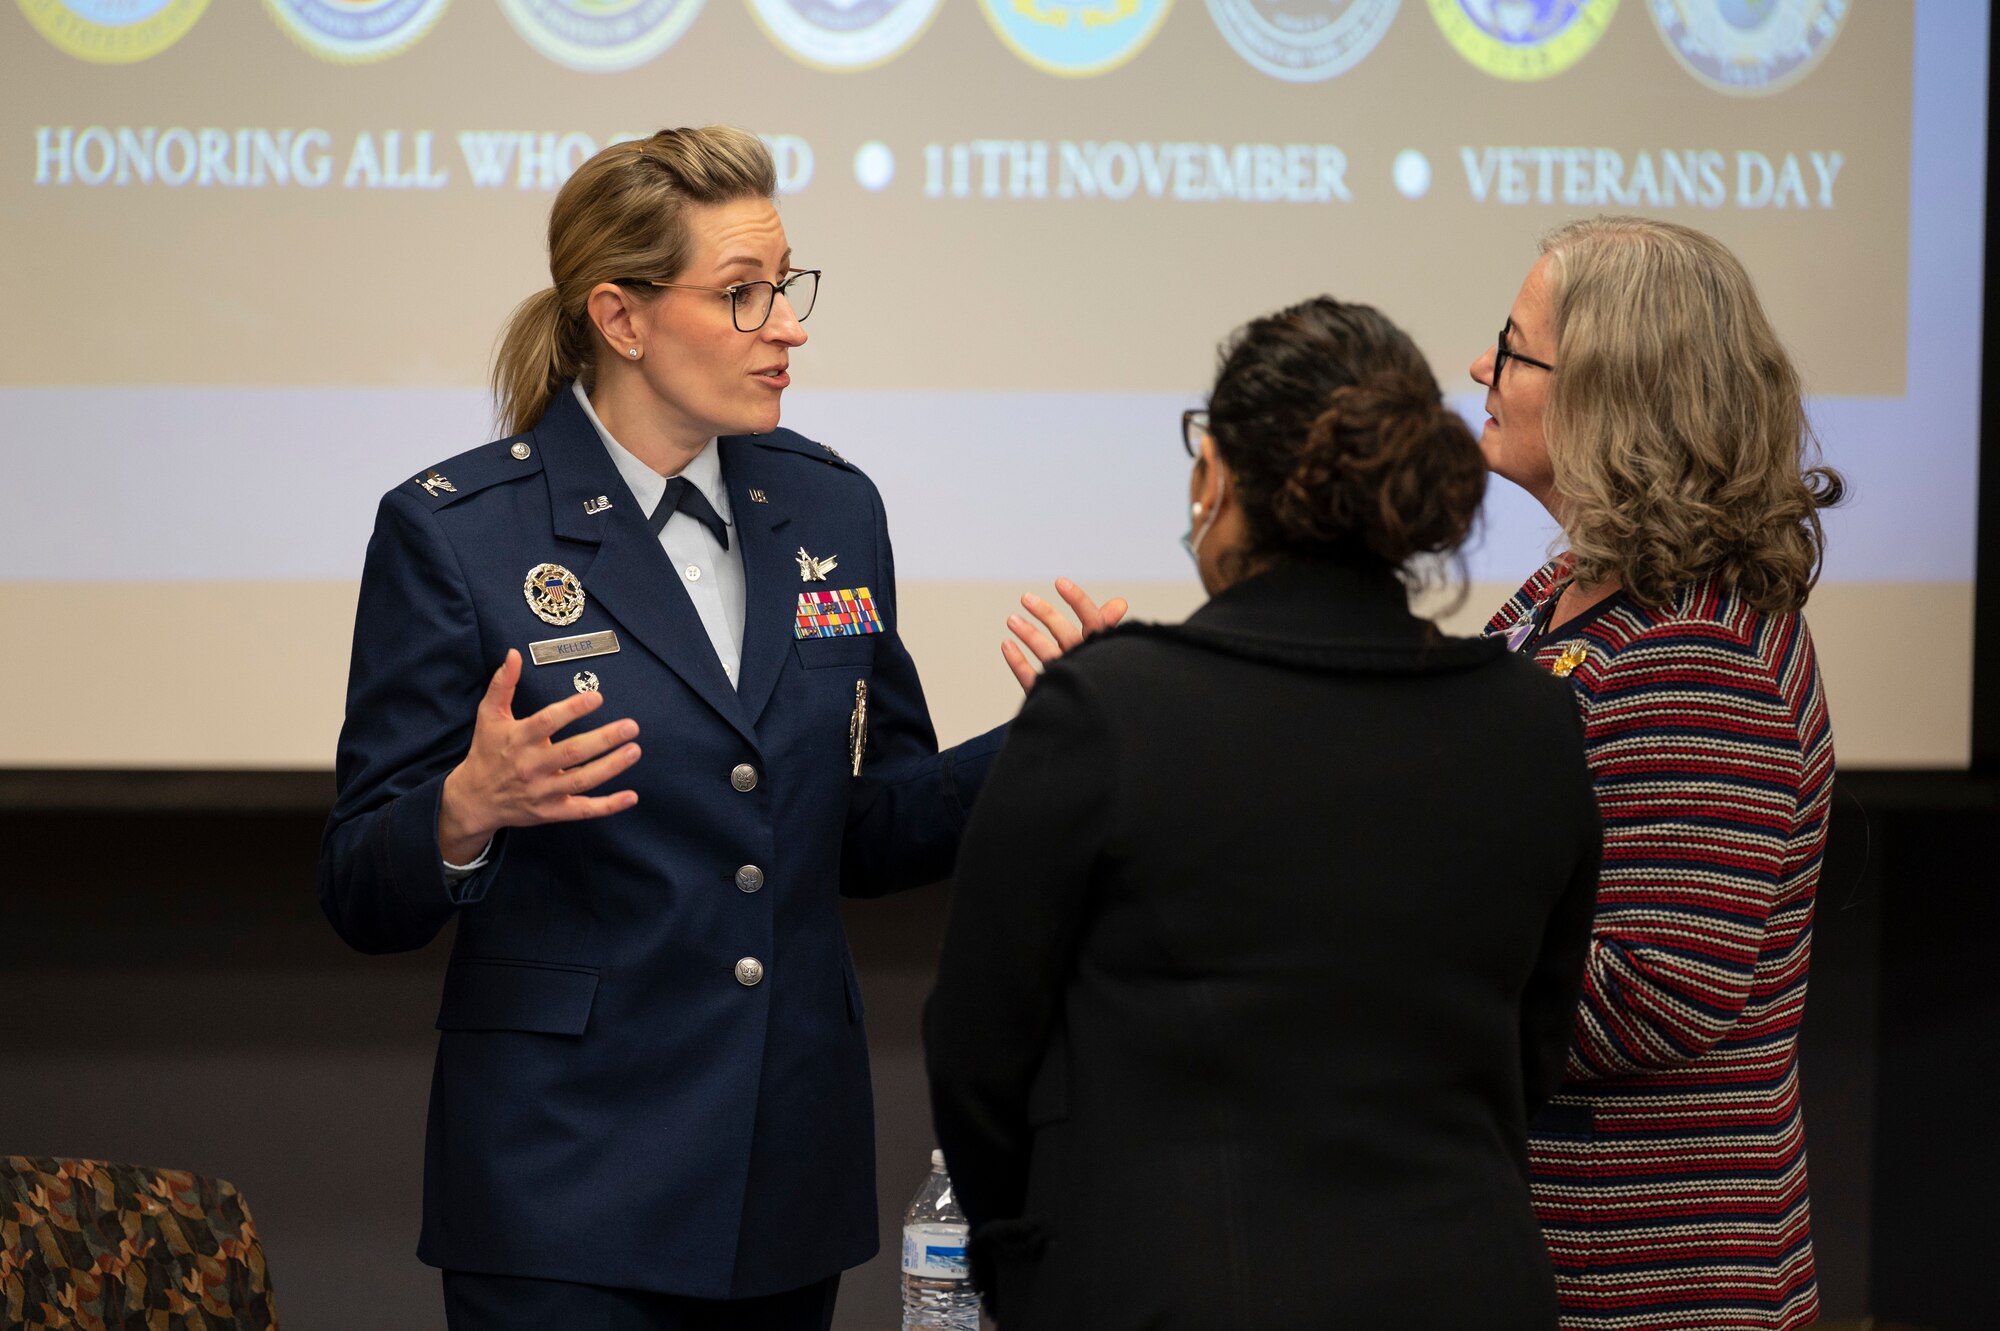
(682, 495)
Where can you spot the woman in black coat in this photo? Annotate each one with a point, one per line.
(1268, 928)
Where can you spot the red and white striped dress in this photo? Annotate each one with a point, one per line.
(1670, 1171)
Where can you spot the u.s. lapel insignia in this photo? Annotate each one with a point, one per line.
(553, 594)
(815, 570)
(759, 497)
(433, 481)
(592, 507)
(1573, 656)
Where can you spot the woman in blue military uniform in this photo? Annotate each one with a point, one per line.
(651, 1103)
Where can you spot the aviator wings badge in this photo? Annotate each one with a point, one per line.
(815, 570)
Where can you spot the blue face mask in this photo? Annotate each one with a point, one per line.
(1192, 539)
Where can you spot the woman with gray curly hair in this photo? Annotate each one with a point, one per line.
(1641, 395)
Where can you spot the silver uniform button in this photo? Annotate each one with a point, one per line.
(520, 450)
(749, 972)
(749, 878)
(744, 777)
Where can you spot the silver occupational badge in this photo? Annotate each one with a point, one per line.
(553, 594)
(857, 725)
(815, 570)
(434, 481)
(585, 681)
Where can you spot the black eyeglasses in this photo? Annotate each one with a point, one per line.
(750, 303)
(1194, 429)
(1501, 355)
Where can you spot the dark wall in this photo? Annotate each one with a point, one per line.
(1937, 1168)
(169, 995)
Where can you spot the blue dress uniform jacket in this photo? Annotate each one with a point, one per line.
(611, 1103)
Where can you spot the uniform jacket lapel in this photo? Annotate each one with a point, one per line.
(770, 600)
(631, 577)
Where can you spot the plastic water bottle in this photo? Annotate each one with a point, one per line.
(937, 1283)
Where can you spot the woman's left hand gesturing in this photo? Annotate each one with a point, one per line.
(1056, 634)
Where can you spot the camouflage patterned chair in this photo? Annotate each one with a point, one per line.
(85, 1245)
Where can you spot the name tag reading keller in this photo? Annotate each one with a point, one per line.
(550, 651)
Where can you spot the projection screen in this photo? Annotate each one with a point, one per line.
(258, 255)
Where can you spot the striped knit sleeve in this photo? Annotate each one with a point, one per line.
(1697, 765)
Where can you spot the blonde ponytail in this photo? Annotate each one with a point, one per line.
(530, 366)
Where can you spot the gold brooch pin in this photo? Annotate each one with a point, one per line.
(815, 570)
(1573, 656)
(553, 594)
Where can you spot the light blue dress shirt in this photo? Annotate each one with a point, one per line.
(712, 576)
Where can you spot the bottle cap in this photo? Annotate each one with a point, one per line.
(937, 1159)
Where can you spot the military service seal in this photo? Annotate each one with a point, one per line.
(1749, 47)
(112, 32)
(600, 35)
(1523, 40)
(1075, 38)
(844, 35)
(1303, 41)
(352, 32)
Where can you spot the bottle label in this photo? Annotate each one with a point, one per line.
(935, 1252)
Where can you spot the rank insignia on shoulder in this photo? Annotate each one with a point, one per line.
(815, 570)
(433, 482)
(553, 594)
(835, 454)
(841, 614)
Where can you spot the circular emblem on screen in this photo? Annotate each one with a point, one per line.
(1076, 38)
(553, 594)
(601, 34)
(1523, 39)
(112, 32)
(1303, 41)
(355, 31)
(843, 35)
(1749, 46)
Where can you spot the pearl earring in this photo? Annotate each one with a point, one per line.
(633, 353)
(1195, 508)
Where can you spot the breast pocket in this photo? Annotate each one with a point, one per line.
(490, 994)
(857, 652)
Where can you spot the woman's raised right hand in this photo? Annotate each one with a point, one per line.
(514, 776)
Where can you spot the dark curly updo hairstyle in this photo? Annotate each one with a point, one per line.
(1338, 441)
